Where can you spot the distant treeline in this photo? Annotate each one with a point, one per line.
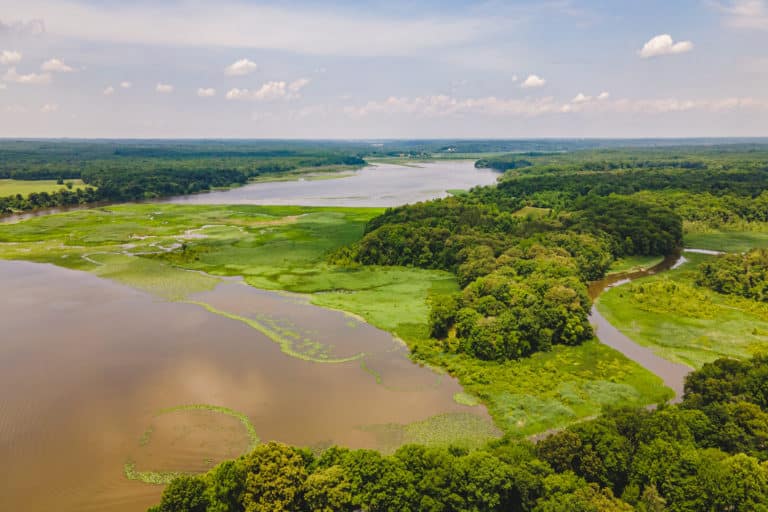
(125, 171)
(708, 453)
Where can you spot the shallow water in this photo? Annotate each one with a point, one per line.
(86, 365)
(376, 185)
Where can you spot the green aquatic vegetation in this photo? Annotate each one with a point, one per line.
(167, 282)
(149, 477)
(165, 477)
(683, 322)
(463, 398)
(253, 436)
(286, 345)
(465, 430)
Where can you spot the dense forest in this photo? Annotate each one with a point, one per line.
(708, 453)
(737, 274)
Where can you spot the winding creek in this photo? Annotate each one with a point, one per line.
(673, 374)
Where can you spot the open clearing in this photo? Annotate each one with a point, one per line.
(26, 187)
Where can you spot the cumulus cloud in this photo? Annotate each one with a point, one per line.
(49, 108)
(533, 81)
(164, 88)
(126, 85)
(55, 66)
(10, 58)
(604, 95)
(32, 78)
(664, 45)
(298, 85)
(108, 91)
(581, 98)
(240, 68)
(270, 91)
(206, 92)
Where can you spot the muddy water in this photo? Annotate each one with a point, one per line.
(86, 365)
(376, 185)
(673, 374)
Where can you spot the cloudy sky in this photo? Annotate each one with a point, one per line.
(383, 69)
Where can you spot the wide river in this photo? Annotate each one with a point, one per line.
(95, 375)
(375, 185)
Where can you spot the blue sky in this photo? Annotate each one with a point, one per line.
(312, 69)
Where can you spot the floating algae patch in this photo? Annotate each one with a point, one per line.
(190, 437)
(150, 276)
(463, 398)
(465, 430)
(288, 345)
(387, 367)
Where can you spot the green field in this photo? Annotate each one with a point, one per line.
(686, 323)
(26, 187)
(152, 247)
(727, 241)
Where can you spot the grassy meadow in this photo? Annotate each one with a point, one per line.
(153, 247)
(26, 187)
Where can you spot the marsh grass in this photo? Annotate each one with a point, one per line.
(450, 429)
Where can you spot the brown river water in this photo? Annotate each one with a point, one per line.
(86, 365)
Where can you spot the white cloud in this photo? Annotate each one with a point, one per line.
(270, 91)
(32, 78)
(2, 86)
(55, 66)
(9, 57)
(604, 95)
(750, 14)
(108, 91)
(443, 106)
(664, 45)
(298, 85)
(49, 108)
(126, 85)
(581, 98)
(164, 88)
(533, 81)
(206, 92)
(240, 68)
